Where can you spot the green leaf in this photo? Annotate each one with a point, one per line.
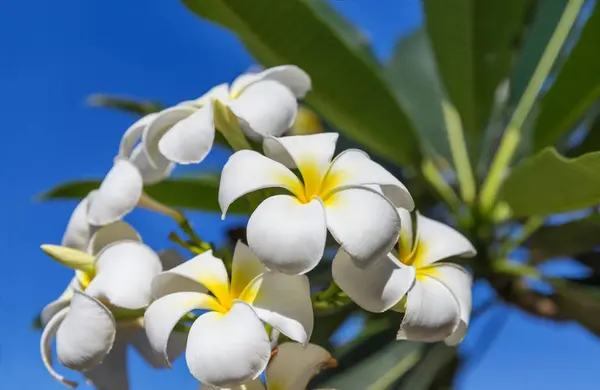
(549, 183)
(576, 88)
(425, 373)
(130, 105)
(349, 89)
(580, 303)
(196, 193)
(591, 142)
(568, 239)
(474, 44)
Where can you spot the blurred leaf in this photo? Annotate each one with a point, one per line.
(592, 260)
(580, 303)
(549, 183)
(326, 325)
(576, 88)
(474, 42)
(591, 142)
(436, 358)
(546, 17)
(349, 89)
(130, 105)
(196, 193)
(36, 323)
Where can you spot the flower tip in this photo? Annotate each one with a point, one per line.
(331, 363)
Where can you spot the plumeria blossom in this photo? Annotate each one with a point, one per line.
(291, 367)
(228, 344)
(263, 104)
(100, 312)
(438, 294)
(351, 196)
(136, 165)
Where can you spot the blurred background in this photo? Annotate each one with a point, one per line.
(53, 55)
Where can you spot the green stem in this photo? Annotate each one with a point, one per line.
(433, 176)
(530, 227)
(512, 133)
(187, 229)
(184, 244)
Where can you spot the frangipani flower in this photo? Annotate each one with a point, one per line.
(228, 344)
(352, 197)
(121, 190)
(100, 312)
(291, 368)
(264, 104)
(438, 294)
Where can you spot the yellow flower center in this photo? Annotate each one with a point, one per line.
(315, 183)
(415, 257)
(84, 278)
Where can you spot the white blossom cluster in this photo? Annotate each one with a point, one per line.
(123, 292)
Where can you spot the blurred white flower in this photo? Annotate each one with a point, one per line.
(291, 368)
(438, 294)
(352, 197)
(228, 344)
(264, 104)
(101, 310)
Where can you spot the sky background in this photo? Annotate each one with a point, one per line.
(54, 54)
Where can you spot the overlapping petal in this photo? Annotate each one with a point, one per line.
(291, 76)
(109, 234)
(78, 231)
(354, 168)
(265, 108)
(164, 313)
(432, 312)
(118, 194)
(294, 366)
(124, 272)
(111, 374)
(175, 348)
(133, 134)
(190, 139)
(440, 241)
(247, 171)
(48, 336)
(363, 222)
(406, 239)
(152, 173)
(226, 350)
(63, 301)
(377, 288)
(86, 334)
(246, 266)
(288, 236)
(283, 301)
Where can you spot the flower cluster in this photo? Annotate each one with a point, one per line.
(227, 313)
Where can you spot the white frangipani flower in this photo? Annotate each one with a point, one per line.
(136, 165)
(438, 294)
(352, 197)
(291, 367)
(100, 313)
(228, 344)
(263, 103)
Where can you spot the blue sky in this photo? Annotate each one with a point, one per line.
(54, 54)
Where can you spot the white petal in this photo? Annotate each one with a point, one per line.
(170, 258)
(111, 374)
(64, 300)
(291, 76)
(161, 124)
(156, 359)
(363, 222)
(124, 273)
(266, 108)
(247, 171)
(246, 266)
(118, 194)
(440, 241)
(164, 313)
(406, 233)
(48, 336)
(286, 235)
(109, 234)
(283, 301)
(459, 282)
(377, 288)
(432, 312)
(311, 154)
(151, 174)
(86, 335)
(227, 350)
(78, 231)
(133, 134)
(203, 272)
(294, 365)
(355, 168)
(190, 139)
(219, 92)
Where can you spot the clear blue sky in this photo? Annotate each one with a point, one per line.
(54, 54)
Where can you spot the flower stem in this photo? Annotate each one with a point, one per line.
(512, 133)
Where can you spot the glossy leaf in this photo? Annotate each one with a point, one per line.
(349, 89)
(474, 44)
(196, 193)
(134, 106)
(576, 88)
(549, 183)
